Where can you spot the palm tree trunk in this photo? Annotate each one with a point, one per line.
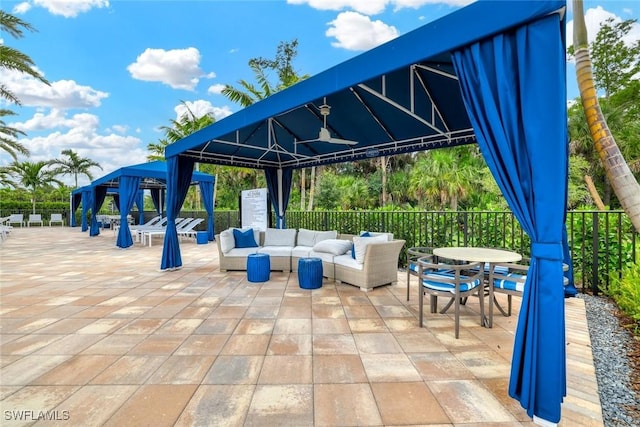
(303, 189)
(383, 167)
(594, 193)
(312, 186)
(617, 170)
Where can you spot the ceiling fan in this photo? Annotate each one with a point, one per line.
(324, 135)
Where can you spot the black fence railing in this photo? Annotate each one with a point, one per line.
(602, 243)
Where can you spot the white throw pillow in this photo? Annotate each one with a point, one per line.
(325, 235)
(280, 237)
(306, 237)
(227, 242)
(360, 245)
(333, 246)
(375, 234)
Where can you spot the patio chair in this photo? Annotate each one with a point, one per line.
(454, 281)
(16, 219)
(56, 218)
(413, 254)
(509, 279)
(35, 219)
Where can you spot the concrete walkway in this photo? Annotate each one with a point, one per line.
(96, 335)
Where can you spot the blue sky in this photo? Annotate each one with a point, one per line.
(120, 69)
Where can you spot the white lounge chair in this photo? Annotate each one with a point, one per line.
(189, 231)
(182, 226)
(56, 218)
(35, 219)
(16, 219)
(4, 228)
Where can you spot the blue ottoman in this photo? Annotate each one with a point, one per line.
(258, 267)
(310, 273)
(202, 237)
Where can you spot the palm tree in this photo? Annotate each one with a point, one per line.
(443, 176)
(186, 125)
(249, 93)
(9, 137)
(624, 184)
(13, 59)
(74, 165)
(156, 151)
(32, 176)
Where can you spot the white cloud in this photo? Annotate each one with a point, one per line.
(593, 19)
(70, 8)
(61, 93)
(373, 7)
(81, 134)
(368, 7)
(121, 129)
(215, 89)
(177, 68)
(200, 108)
(21, 8)
(354, 31)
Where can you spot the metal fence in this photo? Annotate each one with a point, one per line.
(602, 243)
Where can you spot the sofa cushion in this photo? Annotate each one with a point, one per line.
(280, 237)
(324, 256)
(241, 252)
(333, 246)
(347, 261)
(325, 235)
(360, 245)
(244, 238)
(227, 241)
(306, 237)
(283, 251)
(301, 251)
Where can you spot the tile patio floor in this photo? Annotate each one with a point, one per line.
(96, 335)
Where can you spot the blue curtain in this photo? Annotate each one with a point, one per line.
(87, 201)
(271, 175)
(157, 195)
(514, 90)
(97, 199)
(128, 195)
(179, 172)
(206, 190)
(75, 204)
(140, 205)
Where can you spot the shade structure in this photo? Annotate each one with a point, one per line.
(490, 73)
(130, 180)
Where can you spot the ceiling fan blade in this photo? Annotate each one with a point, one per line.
(325, 136)
(342, 141)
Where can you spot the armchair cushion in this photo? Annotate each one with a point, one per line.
(360, 245)
(227, 241)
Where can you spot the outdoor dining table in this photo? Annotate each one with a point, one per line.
(487, 256)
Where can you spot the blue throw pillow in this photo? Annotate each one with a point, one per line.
(353, 247)
(244, 239)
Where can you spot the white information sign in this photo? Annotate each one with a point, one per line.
(255, 209)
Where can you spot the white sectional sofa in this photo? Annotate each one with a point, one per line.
(365, 262)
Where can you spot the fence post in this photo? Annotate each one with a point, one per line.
(594, 279)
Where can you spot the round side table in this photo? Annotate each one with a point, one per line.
(258, 267)
(310, 273)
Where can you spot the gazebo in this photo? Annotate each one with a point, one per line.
(130, 180)
(492, 73)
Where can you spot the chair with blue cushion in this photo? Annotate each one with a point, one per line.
(413, 254)
(454, 281)
(509, 279)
